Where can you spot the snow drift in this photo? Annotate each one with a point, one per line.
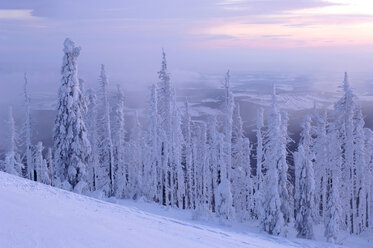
(36, 215)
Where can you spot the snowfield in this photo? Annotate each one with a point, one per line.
(36, 215)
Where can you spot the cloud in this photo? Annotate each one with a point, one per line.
(17, 14)
(271, 6)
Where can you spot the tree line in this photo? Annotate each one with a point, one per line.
(205, 166)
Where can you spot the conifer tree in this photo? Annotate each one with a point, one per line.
(12, 161)
(271, 215)
(41, 166)
(186, 154)
(91, 122)
(27, 130)
(119, 144)
(333, 211)
(72, 147)
(304, 183)
(224, 200)
(105, 169)
(259, 161)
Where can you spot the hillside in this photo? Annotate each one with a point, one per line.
(36, 215)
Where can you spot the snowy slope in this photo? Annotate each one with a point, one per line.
(36, 215)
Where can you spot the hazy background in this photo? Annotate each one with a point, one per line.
(303, 46)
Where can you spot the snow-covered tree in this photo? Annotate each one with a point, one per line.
(12, 161)
(241, 180)
(285, 187)
(259, 161)
(361, 182)
(105, 168)
(176, 145)
(41, 166)
(213, 159)
(186, 155)
(50, 165)
(135, 166)
(332, 218)
(27, 131)
(320, 150)
(119, 144)
(369, 173)
(349, 123)
(169, 135)
(152, 160)
(304, 183)
(72, 147)
(91, 122)
(202, 174)
(224, 200)
(271, 215)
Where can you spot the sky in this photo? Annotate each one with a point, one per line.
(199, 36)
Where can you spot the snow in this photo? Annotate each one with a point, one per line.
(36, 215)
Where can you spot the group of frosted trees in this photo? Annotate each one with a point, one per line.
(21, 157)
(207, 166)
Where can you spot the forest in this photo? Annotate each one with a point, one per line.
(207, 166)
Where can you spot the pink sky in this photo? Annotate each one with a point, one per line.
(206, 36)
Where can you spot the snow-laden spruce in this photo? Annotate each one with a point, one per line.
(71, 145)
(271, 215)
(304, 183)
(105, 168)
(12, 161)
(29, 167)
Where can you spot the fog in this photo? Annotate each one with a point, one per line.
(262, 43)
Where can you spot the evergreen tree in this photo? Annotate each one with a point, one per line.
(332, 218)
(119, 144)
(27, 129)
(50, 165)
(135, 169)
(186, 155)
(152, 169)
(350, 125)
(41, 166)
(224, 199)
(91, 122)
(241, 181)
(304, 183)
(72, 147)
(259, 162)
(105, 169)
(12, 161)
(213, 160)
(320, 150)
(271, 215)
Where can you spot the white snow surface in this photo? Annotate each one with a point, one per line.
(36, 215)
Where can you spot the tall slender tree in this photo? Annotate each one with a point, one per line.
(12, 161)
(72, 147)
(259, 161)
(271, 215)
(119, 143)
(41, 166)
(304, 183)
(27, 131)
(91, 122)
(105, 169)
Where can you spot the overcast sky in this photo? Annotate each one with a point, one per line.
(199, 36)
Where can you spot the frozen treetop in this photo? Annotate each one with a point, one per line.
(103, 74)
(163, 73)
(346, 84)
(69, 47)
(228, 80)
